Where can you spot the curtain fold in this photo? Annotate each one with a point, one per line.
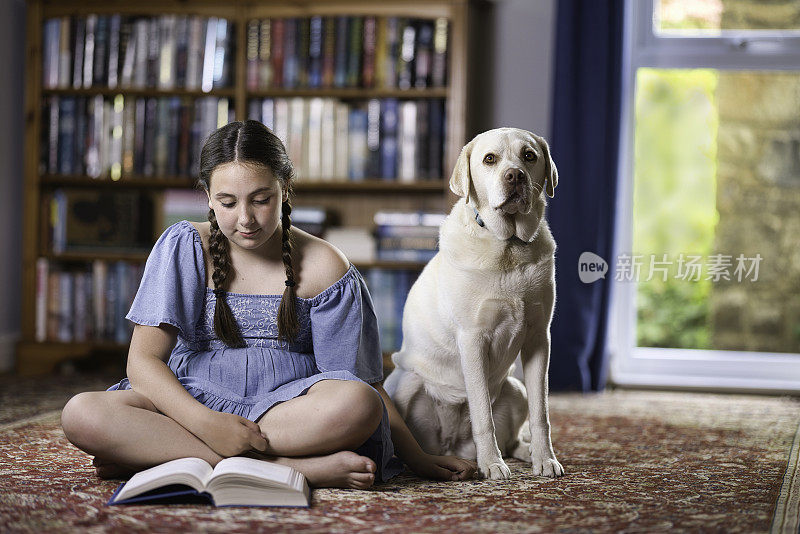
(584, 143)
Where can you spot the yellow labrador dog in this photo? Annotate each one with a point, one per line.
(485, 298)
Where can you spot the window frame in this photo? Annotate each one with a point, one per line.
(711, 370)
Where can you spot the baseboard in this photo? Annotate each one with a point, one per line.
(8, 344)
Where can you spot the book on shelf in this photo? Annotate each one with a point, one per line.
(133, 51)
(235, 481)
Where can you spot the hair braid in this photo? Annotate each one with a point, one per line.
(224, 323)
(288, 326)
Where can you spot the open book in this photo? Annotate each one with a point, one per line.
(235, 481)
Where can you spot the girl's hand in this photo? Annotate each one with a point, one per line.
(443, 467)
(231, 435)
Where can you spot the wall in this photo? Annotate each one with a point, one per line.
(12, 43)
(511, 68)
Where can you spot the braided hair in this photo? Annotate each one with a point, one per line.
(248, 142)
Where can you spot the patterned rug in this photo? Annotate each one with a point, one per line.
(636, 462)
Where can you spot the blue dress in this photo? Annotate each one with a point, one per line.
(338, 339)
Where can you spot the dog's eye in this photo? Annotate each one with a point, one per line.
(530, 155)
(489, 159)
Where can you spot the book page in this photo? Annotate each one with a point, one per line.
(250, 467)
(189, 471)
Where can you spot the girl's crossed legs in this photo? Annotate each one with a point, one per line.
(314, 433)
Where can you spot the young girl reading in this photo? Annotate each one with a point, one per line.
(251, 338)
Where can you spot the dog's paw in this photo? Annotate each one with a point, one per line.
(495, 470)
(547, 467)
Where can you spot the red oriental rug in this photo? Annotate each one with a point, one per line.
(636, 462)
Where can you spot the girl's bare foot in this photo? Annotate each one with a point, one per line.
(343, 469)
(106, 469)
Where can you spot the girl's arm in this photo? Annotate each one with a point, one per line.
(227, 434)
(422, 463)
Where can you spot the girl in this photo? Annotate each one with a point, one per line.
(251, 338)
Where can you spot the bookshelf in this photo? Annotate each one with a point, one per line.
(354, 201)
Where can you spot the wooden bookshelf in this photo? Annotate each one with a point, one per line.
(354, 201)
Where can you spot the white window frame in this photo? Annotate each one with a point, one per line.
(712, 370)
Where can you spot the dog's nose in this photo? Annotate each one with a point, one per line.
(514, 176)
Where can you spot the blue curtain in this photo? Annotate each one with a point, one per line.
(584, 141)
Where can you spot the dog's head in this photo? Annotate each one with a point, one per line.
(504, 174)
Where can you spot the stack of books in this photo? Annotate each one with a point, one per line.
(407, 236)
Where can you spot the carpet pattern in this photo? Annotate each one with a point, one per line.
(636, 462)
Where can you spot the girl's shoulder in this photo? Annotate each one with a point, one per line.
(320, 264)
(203, 229)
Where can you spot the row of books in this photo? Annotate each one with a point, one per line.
(164, 52)
(330, 140)
(99, 220)
(121, 136)
(85, 304)
(346, 51)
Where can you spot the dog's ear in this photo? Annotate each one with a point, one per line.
(461, 180)
(550, 171)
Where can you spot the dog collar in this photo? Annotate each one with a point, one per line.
(478, 218)
(512, 239)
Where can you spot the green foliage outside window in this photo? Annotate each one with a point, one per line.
(675, 170)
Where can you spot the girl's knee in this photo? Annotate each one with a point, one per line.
(359, 408)
(83, 419)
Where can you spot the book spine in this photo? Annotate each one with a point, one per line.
(50, 52)
(357, 143)
(302, 45)
(88, 52)
(342, 152)
(388, 145)
(328, 51)
(439, 66)
(78, 44)
(252, 54)
(127, 49)
(221, 54)
(184, 139)
(422, 136)
(150, 131)
(290, 49)
(99, 269)
(166, 56)
(405, 65)
(264, 54)
(328, 141)
(298, 111)
(195, 53)
(314, 146)
(278, 51)
(53, 138)
(436, 134)
(407, 143)
(373, 162)
(66, 135)
(115, 148)
(341, 56)
(423, 54)
(381, 51)
(79, 308)
(64, 53)
(316, 29)
(181, 51)
(100, 73)
(268, 113)
(78, 166)
(53, 300)
(354, 49)
(368, 58)
(142, 31)
(208, 55)
(65, 312)
(128, 135)
(42, 272)
(114, 28)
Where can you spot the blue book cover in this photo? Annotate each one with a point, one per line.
(389, 139)
(316, 32)
(357, 143)
(290, 61)
(66, 135)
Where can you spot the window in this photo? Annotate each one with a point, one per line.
(707, 274)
